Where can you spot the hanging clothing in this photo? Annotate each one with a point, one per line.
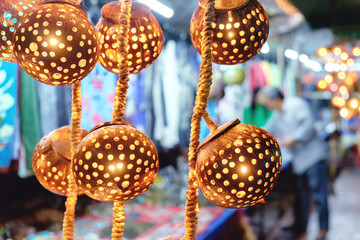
(98, 93)
(8, 108)
(29, 118)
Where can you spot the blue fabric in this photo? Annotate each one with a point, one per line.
(312, 185)
(98, 92)
(8, 91)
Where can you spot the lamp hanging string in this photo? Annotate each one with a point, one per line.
(123, 40)
(209, 122)
(200, 106)
(69, 216)
(118, 220)
(120, 102)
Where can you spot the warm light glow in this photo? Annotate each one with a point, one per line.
(356, 51)
(343, 90)
(322, 84)
(344, 113)
(349, 81)
(343, 67)
(344, 56)
(244, 169)
(337, 51)
(329, 78)
(338, 102)
(158, 7)
(350, 62)
(341, 75)
(53, 41)
(354, 103)
(322, 52)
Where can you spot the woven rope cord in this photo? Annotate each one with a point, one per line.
(122, 84)
(209, 122)
(69, 216)
(118, 220)
(120, 103)
(200, 106)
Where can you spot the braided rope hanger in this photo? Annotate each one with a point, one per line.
(69, 216)
(199, 110)
(120, 103)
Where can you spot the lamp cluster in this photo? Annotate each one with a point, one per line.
(342, 80)
(55, 43)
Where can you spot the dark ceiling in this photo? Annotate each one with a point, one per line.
(340, 15)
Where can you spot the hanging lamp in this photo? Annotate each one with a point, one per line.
(240, 28)
(56, 44)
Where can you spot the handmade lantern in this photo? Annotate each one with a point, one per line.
(115, 162)
(238, 165)
(240, 28)
(56, 44)
(11, 11)
(52, 159)
(145, 37)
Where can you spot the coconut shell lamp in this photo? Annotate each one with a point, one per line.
(240, 28)
(56, 44)
(115, 162)
(145, 37)
(11, 11)
(52, 159)
(238, 165)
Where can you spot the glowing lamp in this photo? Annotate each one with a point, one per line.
(238, 165)
(115, 162)
(337, 51)
(341, 75)
(354, 103)
(356, 51)
(145, 37)
(344, 56)
(328, 78)
(322, 84)
(56, 43)
(52, 158)
(240, 28)
(11, 11)
(322, 52)
(338, 102)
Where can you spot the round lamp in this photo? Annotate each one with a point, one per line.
(56, 43)
(115, 162)
(52, 158)
(11, 11)
(240, 28)
(238, 165)
(145, 37)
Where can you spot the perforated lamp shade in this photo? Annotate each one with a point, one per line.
(11, 11)
(51, 160)
(240, 28)
(115, 162)
(238, 165)
(56, 44)
(145, 37)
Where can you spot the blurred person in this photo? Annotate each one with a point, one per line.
(292, 125)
